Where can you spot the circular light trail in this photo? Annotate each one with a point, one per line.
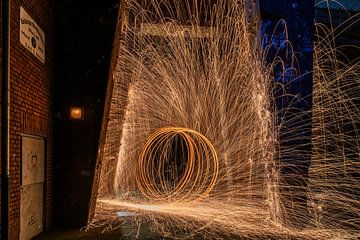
(177, 164)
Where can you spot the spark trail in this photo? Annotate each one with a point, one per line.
(198, 146)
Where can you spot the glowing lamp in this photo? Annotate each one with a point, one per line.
(76, 113)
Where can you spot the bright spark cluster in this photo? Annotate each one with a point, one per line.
(196, 75)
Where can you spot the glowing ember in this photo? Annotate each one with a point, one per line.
(198, 148)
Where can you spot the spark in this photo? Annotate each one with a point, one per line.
(199, 145)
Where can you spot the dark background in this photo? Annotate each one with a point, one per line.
(84, 33)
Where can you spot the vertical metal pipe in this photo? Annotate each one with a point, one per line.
(5, 116)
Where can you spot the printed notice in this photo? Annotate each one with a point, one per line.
(32, 37)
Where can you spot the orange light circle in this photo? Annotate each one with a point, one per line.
(199, 166)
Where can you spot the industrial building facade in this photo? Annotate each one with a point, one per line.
(30, 124)
(39, 180)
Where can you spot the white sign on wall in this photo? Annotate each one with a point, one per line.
(32, 36)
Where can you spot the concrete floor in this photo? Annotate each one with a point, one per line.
(123, 234)
(77, 234)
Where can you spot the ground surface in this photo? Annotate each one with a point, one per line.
(76, 234)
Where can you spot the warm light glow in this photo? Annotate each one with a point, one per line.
(162, 175)
(76, 113)
(213, 96)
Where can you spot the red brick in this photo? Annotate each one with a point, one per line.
(31, 94)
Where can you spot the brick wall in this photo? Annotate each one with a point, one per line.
(0, 80)
(31, 103)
